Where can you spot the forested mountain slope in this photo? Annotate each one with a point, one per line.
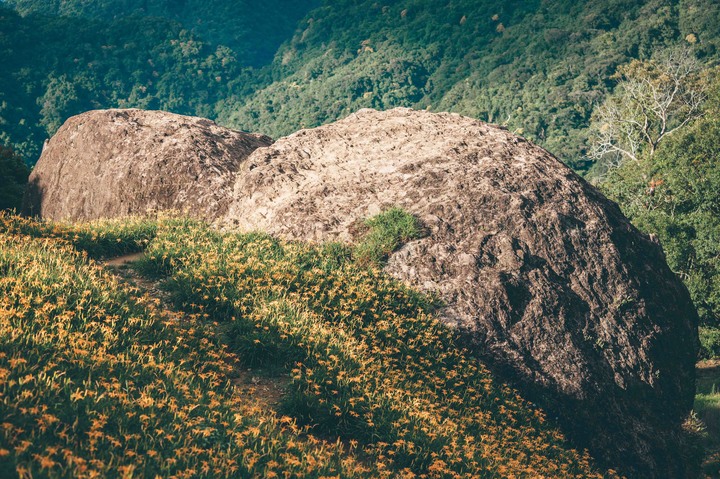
(116, 54)
(540, 67)
(254, 30)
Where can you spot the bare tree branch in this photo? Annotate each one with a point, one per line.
(653, 100)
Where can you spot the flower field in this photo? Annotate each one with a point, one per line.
(98, 379)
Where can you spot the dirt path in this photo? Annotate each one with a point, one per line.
(255, 384)
(125, 260)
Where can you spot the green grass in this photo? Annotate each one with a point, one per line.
(707, 406)
(707, 409)
(97, 379)
(99, 239)
(385, 233)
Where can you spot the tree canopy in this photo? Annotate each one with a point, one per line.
(675, 194)
(654, 99)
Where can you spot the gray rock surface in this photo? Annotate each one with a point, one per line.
(110, 163)
(552, 284)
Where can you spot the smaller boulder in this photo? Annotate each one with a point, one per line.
(111, 163)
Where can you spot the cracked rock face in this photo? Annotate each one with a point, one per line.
(552, 284)
(110, 163)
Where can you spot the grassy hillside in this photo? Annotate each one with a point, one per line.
(99, 378)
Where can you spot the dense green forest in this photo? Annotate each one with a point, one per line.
(253, 30)
(545, 69)
(539, 67)
(111, 54)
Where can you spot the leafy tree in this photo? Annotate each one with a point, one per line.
(13, 178)
(675, 195)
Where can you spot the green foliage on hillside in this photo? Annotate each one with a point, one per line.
(99, 379)
(178, 56)
(54, 68)
(675, 194)
(539, 67)
(13, 177)
(253, 30)
(99, 240)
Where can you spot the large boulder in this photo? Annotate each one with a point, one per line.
(110, 163)
(552, 284)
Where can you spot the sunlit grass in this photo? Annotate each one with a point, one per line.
(99, 239)
(385, 233)
(707, 406)
(98, 382)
